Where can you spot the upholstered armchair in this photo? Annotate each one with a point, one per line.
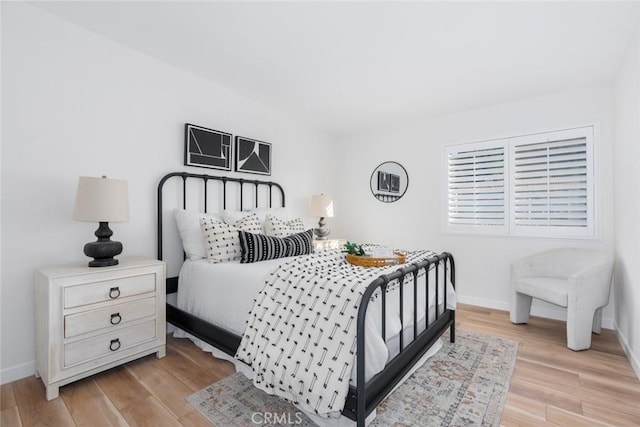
(578, 279)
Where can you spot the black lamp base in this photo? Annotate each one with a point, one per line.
(104, 249)
(103, 262)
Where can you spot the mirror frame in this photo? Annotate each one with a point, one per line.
(388, 196)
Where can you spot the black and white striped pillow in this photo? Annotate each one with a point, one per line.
(300, 243)
(258, 247)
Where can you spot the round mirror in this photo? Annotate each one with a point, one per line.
(389, 182)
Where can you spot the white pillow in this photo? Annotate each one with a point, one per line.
(188, 223)
(221, 239)
(275, 227)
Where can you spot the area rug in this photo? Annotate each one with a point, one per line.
(465, 383)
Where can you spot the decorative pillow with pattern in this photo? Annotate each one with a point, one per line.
(221, 239)
(300, 243)
(276, 227)
(258, 247)
(262, 213)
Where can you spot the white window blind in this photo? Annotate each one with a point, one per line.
(552, 180)
(535, 185)
(476, 186)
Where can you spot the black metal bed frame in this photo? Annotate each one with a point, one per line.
(363, 398)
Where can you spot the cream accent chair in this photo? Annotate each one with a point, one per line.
(578, 279)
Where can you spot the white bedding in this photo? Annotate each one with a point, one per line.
(224, 293)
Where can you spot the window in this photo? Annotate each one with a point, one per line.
(477, 188)
(537, 185)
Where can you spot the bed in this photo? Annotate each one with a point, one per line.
(415, 294)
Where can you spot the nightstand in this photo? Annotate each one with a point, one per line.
(89, 319)
(321, 245)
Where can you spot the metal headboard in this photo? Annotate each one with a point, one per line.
(241, 182)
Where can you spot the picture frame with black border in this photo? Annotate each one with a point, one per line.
(383, 181)
(394, 183)
(252, 156)
(207, 148)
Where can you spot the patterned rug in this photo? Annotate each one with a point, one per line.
(464, 384)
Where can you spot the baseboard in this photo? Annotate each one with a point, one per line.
(633, 359)
(548, 312)
(17, 372)
(498, 305)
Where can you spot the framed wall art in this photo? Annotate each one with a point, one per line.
(207, 148)
(253, 156)
(394, 183)
(383, 181)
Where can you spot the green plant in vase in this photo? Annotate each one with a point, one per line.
(353, 249)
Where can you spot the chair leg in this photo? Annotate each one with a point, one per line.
(520, 308)
(597, 321)
(579, 325)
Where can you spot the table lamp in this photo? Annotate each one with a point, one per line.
(321, 207)
(102, 200)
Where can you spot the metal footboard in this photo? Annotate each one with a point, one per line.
(369, 394)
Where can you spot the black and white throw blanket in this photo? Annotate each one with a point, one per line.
(300, 339)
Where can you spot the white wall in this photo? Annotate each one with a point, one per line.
(77, 104)
(415, 221)
(627, 204)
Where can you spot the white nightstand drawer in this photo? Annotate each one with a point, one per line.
(108, 317)
(108, 290)
(102, 345)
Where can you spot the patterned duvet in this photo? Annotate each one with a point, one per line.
(300, 338)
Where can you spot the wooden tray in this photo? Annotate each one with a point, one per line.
(367, 261)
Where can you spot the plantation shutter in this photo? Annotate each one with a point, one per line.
(538, 185)
(476, 186)
(551, 184)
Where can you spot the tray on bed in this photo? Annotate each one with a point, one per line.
(369, 261)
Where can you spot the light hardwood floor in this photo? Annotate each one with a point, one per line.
(551, 384)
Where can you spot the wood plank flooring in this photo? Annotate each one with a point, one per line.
(551, 384)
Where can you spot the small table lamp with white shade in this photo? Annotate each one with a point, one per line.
(102, 200)
(321, 207)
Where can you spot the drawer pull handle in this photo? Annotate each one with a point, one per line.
(116, 318)
(115, 344)
(114, 293)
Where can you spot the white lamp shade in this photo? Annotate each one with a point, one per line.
(101, 200)
(321, 206)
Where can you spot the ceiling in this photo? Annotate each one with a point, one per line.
(349, 67)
